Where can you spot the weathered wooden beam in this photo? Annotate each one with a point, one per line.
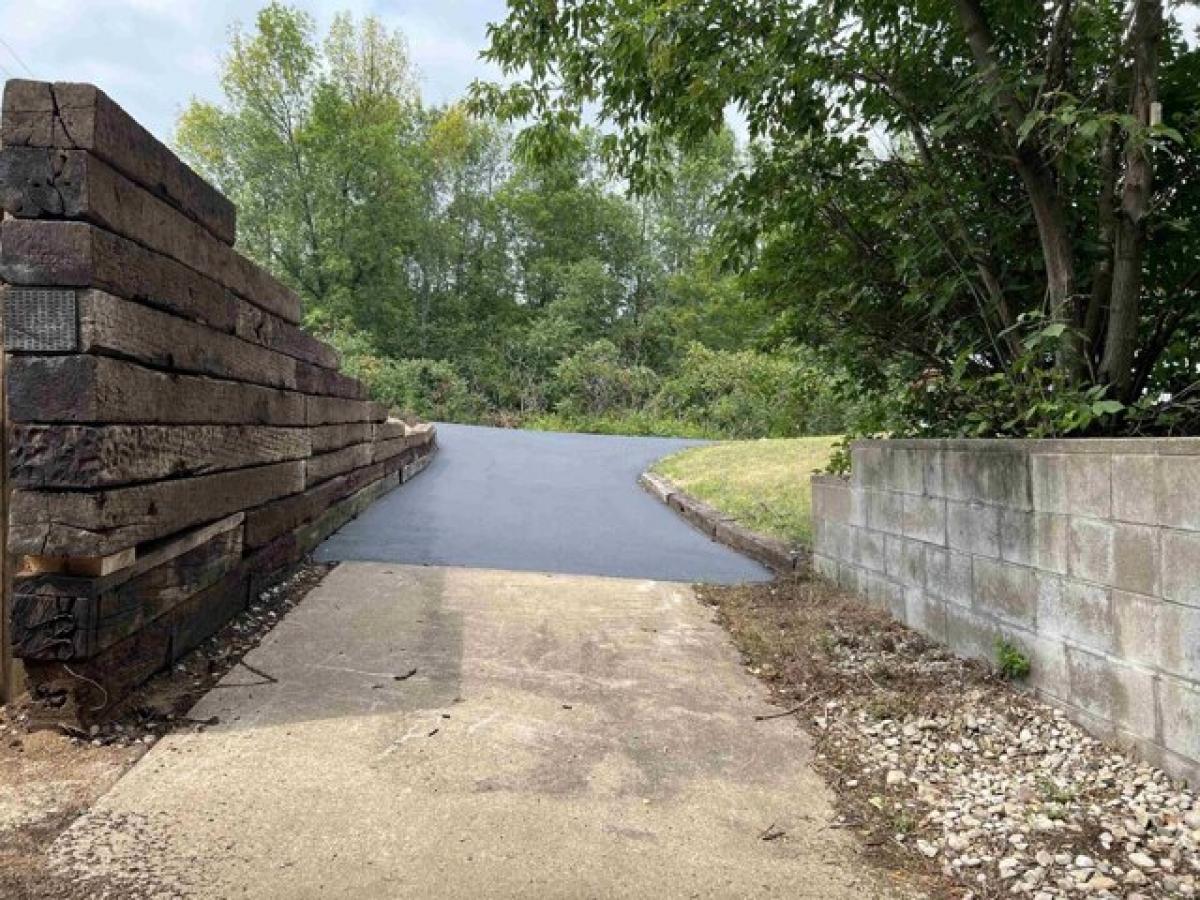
(57, 625)
(327, 465)
(336, 411)
(328, 383)
(390, 430)
(203, 615)
(152, 555)
(386, 449)
(157, 591)
(38, 183)
(418, 465)
(160, 552)
(80, 116)
(272, 561)
(421, 435)
(259, 327)
(79, 255)
(74, 457)
(97, 389)
(109, 325)
(308, 536)
(327, 438)
(102, 522)
(76, 254)
(68, 618)
(268, 522)
(86, 566)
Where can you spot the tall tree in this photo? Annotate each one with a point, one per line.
(318, 145)
(965, 187)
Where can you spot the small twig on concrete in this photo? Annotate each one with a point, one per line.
(270, 679)
(407, 675)
(791, 712)
(771, 833)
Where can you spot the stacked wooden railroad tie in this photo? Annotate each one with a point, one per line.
(176, 440)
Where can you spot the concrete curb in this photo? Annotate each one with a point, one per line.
(776, 555)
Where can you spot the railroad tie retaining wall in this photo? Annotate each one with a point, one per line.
(176, 440)
(1083, 553)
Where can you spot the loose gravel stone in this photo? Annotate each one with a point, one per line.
(998, 791)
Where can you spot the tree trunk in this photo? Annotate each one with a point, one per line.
(1120, 344)
(1035, 173)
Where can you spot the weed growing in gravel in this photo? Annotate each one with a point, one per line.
(1012, 661)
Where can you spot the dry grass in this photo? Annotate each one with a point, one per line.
(827, 657)
(763, 484)
(876, 696)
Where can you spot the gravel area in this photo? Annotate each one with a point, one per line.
(950, 772)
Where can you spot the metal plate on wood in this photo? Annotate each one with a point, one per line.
(40, 320)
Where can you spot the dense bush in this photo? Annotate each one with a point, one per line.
(750, 394)
(426, 388)
(711, 394)
(596, 382)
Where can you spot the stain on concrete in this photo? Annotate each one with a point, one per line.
(563, 736)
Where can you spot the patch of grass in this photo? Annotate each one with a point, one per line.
(763, 484)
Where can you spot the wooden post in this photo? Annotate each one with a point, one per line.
(11, 680)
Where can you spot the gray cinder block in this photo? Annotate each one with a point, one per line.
(1076, 611)
(1180, 491)
(904, 469)
(1121, 694)
(1135, 489)
(974, 528)
(1180, 703)
(948, 576)
(885, 512)
(1006, 591)
(871, 553)
(925, 519)
(1078, 484)
(1117, 554)
(1181, 567)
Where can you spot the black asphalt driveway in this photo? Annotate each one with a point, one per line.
(538, 501)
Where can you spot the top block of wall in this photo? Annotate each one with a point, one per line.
(82, 117)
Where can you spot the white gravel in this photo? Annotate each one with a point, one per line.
(1004, 793)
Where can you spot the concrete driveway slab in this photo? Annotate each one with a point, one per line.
(455, 733)
(542, 502)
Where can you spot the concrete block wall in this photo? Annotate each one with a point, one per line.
(176, 440)
(1084, 553)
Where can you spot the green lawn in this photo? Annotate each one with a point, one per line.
(763, 484)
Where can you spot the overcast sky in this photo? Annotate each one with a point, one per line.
(151, 56)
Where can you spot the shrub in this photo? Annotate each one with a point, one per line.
(748, 394)
(1013, 662)
(595, 382)
(427, 388)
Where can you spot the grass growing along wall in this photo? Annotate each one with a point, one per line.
(765, 484)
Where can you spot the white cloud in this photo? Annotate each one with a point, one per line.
(153, 55)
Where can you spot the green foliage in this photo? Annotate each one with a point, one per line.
(596, 382)
(750, 394)
(932, 186)
(430, 389)
(468, 276)
(1011, 660)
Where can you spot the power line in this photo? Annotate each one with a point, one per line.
(20, 61)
